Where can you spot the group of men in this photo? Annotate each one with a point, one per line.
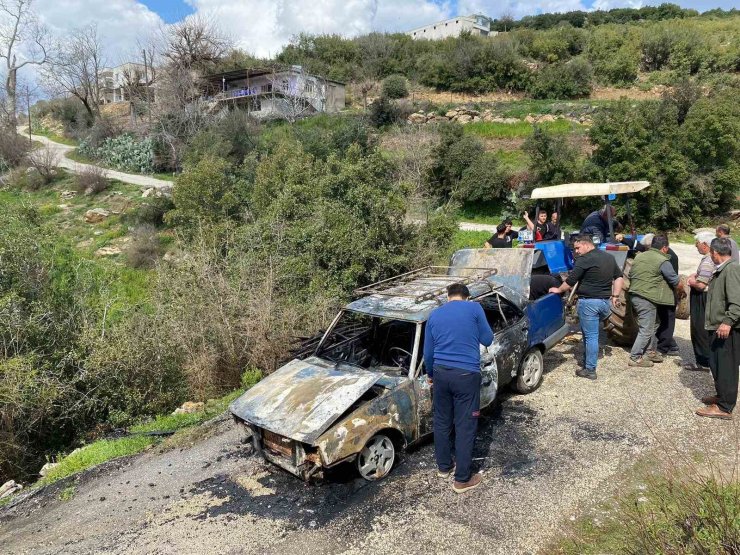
(654, 292)
(455, 330)
(543, 230)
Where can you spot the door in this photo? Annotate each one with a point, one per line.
(545, 317)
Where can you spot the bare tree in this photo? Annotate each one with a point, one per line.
(21, 35)
(366, 88)
(195, 43)
(77, 69)
(295, 94)
(136, 82)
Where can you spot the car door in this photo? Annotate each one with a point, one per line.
(546, 317)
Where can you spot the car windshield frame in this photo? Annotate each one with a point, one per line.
(415, 355)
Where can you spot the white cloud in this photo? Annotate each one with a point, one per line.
(120, 22)
(263, 27)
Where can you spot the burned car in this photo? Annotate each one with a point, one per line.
(361, 395)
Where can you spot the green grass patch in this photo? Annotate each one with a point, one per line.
(468, 240)
(512, 160)
(487, 213)
(56, 138)
(495, 130)
(97, 453)
(68, 493)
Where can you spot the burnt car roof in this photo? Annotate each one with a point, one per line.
(415, 297)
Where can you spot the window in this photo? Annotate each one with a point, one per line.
(266, 88)
(309, 88)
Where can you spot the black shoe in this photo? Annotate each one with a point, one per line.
(583, 373)
(672, 353)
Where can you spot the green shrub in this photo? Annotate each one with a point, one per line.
(124, 153)
(151, 211)
(454, 154)
(395, 86)
(250, 377)
(207, 192)
(383, 112)
(570, 80)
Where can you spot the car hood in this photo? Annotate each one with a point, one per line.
(303, 398)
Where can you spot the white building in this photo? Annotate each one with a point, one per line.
(290, 93)
(478, 25)
(117, 81)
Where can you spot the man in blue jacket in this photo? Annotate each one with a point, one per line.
(454, 333)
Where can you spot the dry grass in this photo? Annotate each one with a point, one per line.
(91, 180)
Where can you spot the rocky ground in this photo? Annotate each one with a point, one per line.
(544, 458)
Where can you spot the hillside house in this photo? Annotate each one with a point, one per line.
(117, 82)
(272, 93)
(477, 25)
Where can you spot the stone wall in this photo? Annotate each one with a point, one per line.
(466, 115)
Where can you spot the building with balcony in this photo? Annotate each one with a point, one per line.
(288, 93)
(478, 25)
(117, 82)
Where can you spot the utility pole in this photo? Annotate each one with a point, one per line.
(146, 88)
(28, 112)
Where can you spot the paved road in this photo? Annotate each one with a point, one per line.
(62, 150)
(544, 456)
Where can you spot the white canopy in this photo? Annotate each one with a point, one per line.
(589, 189)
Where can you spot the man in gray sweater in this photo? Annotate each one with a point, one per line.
(722, 319)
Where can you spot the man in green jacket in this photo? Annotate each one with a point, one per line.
(722, 319)
(652, 279)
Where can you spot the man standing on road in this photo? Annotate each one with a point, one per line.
(699, 282)
(723, 230)
(667, 345)
(599, 280)
(651, 281)
(452, 339)
(722, 318)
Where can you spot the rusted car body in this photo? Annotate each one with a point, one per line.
(363, 394)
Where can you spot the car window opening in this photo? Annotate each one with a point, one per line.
(370, 342)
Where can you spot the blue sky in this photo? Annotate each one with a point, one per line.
(170, 11)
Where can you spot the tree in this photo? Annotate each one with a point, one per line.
(77, 69)
(195, 43)
(22, 35)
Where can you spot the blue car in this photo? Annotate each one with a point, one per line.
(361, 393)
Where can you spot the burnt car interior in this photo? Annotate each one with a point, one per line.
(500, 312)
(370, 342)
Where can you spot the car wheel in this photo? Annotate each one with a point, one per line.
(530, 372)
(376, 458)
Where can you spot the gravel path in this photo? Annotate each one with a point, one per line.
(62, 150)
(543, 456)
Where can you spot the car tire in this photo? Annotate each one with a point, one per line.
(531, 371)
(377, 458)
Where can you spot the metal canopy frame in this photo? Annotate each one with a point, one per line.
(426, 282)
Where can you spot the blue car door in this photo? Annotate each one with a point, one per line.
(545, 317)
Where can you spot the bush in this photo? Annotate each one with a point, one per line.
(91, 180)
(145, 248)
(383, 112)
(483, 180)
(124, 153)
(455, 153)
(570, 80)
(13, 149)
(207, 192)
(45, 161)
(395, 86)
(152, 211)
(27, 179)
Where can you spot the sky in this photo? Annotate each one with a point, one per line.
(263, 27)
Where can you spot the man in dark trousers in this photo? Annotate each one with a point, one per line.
(452, 339)
(723, 320)
(699, 283)
(600, 281)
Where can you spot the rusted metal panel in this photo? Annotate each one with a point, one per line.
(395, 410)
(303, 398)
(514, 266)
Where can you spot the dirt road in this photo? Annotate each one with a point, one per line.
(61, 150)
(544, 456)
